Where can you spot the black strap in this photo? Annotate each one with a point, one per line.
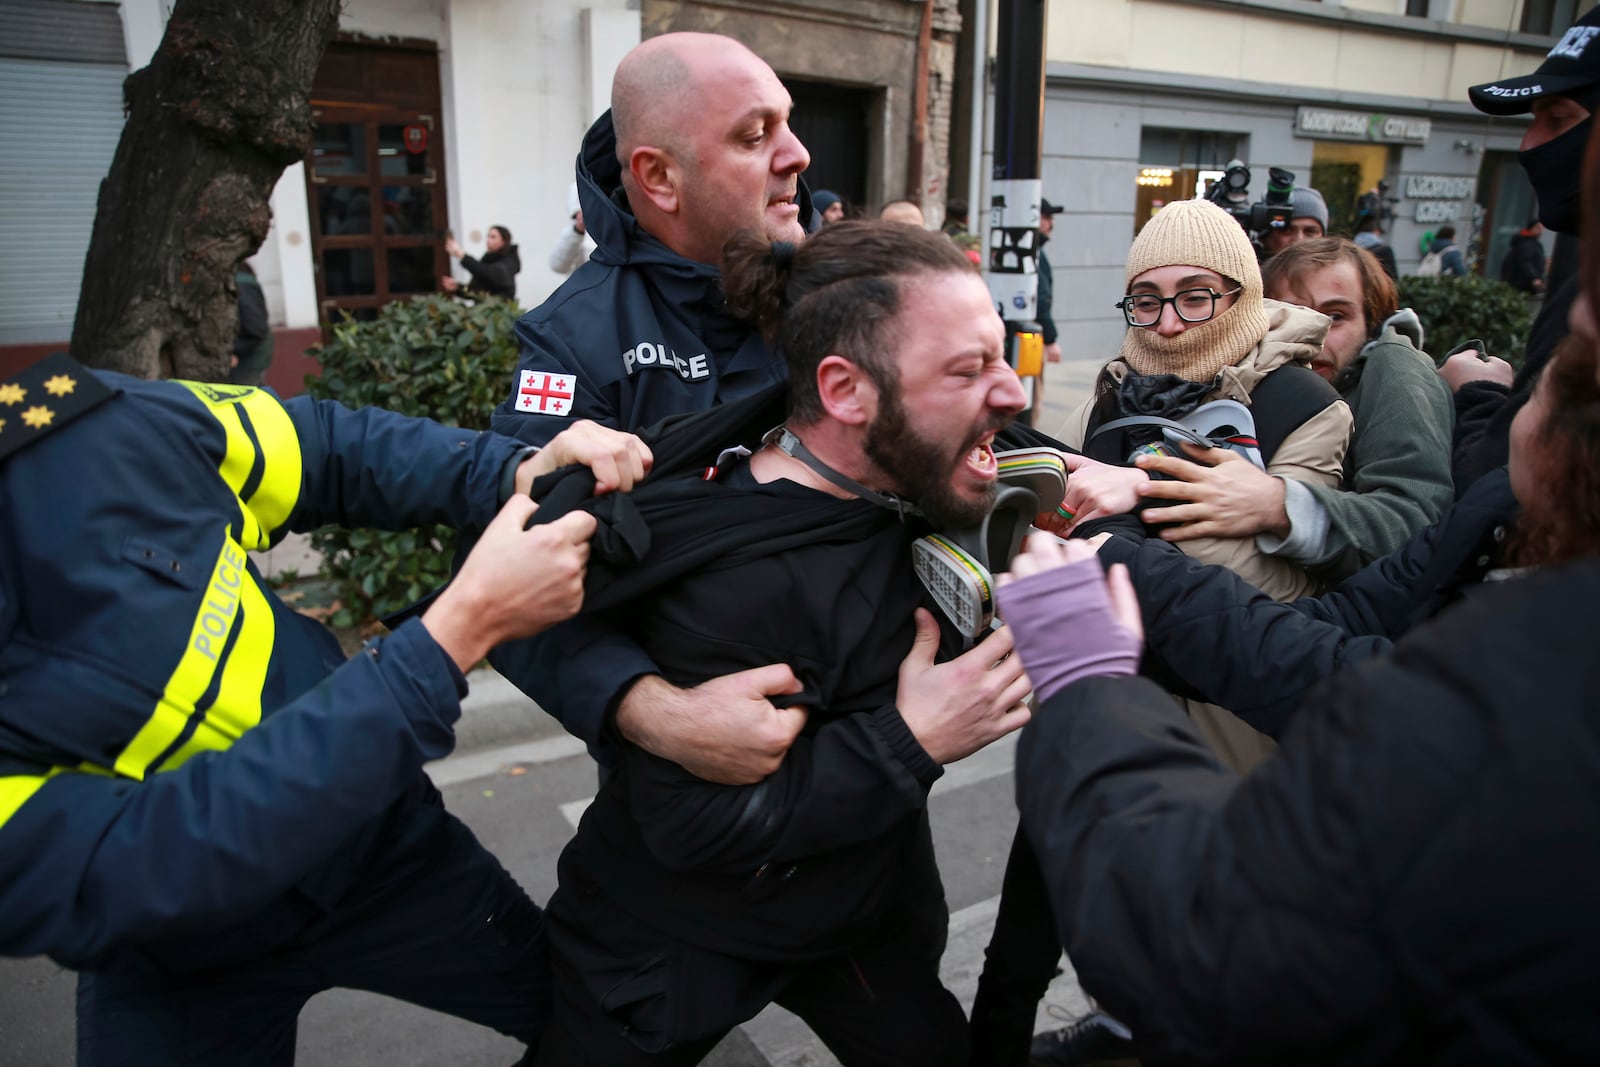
(1128, 421)
(1105, 449)
(1285, 400)
(790, 445)
(1280, 404)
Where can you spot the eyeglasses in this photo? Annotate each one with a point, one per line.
(1192, 305)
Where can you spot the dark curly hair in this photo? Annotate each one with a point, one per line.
(833, 294)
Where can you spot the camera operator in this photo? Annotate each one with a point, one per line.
(1282, 209)
(1308, 220)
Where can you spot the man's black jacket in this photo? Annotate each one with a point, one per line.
(1411, 878)
(1216, 637)
(722, 575)
(496, 273)
(577, 671)
(1484, 410)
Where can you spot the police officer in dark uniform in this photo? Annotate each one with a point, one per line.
(696, 147)
(203, 809)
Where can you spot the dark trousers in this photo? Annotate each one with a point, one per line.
(436, 922)
(1018, 965)
(629, 996)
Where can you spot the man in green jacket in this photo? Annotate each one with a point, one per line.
(1397, 470)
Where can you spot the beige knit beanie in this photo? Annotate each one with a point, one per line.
(1197, 233)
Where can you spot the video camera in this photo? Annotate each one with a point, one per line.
(1232, 194)
(1377, 203)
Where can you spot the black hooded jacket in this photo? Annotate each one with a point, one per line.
(645, 332)
(712, 576)
(1411, 878)
(1484, 410)
(1215, 637)
(496, 273)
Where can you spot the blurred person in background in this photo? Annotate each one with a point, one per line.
(493, 275)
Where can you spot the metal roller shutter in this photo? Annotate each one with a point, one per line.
(59, 123)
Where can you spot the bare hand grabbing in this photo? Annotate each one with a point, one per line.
(452, 249)
(515, 583)
(1474, 366)
(955, 708)
(724, 730)
(1223, 495)
(1095, 490)
(619, 460)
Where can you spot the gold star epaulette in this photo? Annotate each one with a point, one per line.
(44, 398)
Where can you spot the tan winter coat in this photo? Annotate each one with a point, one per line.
(1313, 453)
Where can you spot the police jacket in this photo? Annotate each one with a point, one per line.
(722, 575)
(180, 752)
(644, 332)
(1218, 638)
(1410, 878)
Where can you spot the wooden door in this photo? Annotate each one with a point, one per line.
(375, 179)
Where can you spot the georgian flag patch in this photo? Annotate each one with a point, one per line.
(539, 393)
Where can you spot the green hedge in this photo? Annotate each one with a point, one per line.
(1453, 309)
(431, 356)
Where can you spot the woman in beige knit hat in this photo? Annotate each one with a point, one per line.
(1199, 331)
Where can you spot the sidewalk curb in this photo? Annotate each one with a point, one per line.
(488, 688)
(465, 766)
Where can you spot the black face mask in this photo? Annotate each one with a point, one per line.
(1555, 169)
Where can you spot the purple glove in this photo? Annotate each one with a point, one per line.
(1064, 627)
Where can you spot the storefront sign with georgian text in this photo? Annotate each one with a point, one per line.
(1329, 124)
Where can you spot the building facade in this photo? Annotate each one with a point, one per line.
(444, 117)
(1147, 100)
(439, 118)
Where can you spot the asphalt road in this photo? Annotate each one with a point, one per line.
(521, 785)
(524, 812)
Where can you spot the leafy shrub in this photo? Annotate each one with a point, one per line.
(1454, 309)
(435, 357)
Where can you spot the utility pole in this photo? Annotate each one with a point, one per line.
(1013, 264)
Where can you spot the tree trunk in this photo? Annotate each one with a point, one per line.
(222, 109)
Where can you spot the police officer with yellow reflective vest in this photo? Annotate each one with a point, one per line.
(203, 808)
